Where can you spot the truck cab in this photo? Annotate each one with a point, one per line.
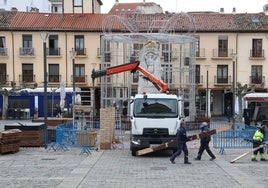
(155, 119)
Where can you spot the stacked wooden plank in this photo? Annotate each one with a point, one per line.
(10, 141)
(32, 134)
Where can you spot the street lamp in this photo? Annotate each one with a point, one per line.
(233, 55)
(73, 55)
(44, 35)
(93, 95)
(207, 102)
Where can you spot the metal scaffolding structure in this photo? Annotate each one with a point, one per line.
(136, 40)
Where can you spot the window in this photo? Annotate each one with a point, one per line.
(223, 46)
(27, 73)
(167, 73)
(197, 74)
(107, 51)
(53, 45)
(27, 45)
(135, 54)
(79, 45)
(53, 71)
(167, 52)
(78, 3)
(256, 74)
(79, 73)
(257, 48)
(3, 73)
(197, 46)
(222, 74)
(3, 49)
(27, 41)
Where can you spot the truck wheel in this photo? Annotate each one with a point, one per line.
(133, 152)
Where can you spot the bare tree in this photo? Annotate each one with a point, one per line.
(242, 90)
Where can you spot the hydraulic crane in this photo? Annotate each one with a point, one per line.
(135, 66)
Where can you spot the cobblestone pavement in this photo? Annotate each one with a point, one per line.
(39, 167)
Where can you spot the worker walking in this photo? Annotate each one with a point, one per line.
(181, 139)
(258, 139)
(204, 143)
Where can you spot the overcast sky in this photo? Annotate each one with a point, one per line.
(242, 6)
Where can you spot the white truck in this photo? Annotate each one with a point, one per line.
(154, 118)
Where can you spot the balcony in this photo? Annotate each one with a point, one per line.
(27, 52)
(222, 54)
(26, 80)
(53, 52)
(256, 80)
(4, 80)
(199, 80)
(54, 79)
(222, 81)
(81, 52)
(200, 54)
(3, 51)
(82, 79)
(256, 54)
(98, 52)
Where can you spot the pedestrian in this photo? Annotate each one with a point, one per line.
(258, 139)
(181, 139)
(58, 111)
(204, 143)
(229, 113)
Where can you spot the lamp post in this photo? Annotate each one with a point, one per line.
(207, 102)
(44, 35)
(73, 55)
(233, 55)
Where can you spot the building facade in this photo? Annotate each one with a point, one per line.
(218, 35)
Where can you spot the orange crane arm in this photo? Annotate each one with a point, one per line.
(159, 84)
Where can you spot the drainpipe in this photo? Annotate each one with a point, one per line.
(66, 60)
(13, 56)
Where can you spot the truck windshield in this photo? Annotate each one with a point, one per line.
(162, 108)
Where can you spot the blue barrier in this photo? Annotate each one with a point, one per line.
(66, 136)
(234, 139)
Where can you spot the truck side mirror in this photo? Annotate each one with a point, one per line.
(186, 112)
(124, 111)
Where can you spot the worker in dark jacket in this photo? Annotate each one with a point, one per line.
(204, 143)
(258, 139)
(181, 139)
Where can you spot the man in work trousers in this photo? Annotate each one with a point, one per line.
(204, 143)
(181, 139)
(258, 139)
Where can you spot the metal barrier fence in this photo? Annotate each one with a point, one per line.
(235, 139)
(65, 136)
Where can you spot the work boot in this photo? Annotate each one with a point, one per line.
(172, 161)
(254, 160)
(212, 158)
(187, 162)
(197, 159)
(263, 159)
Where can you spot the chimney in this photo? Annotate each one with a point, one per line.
(265, 9)
(221, 10)
(34, 9)
(234, 10)
(116, 2)
(14, 9)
